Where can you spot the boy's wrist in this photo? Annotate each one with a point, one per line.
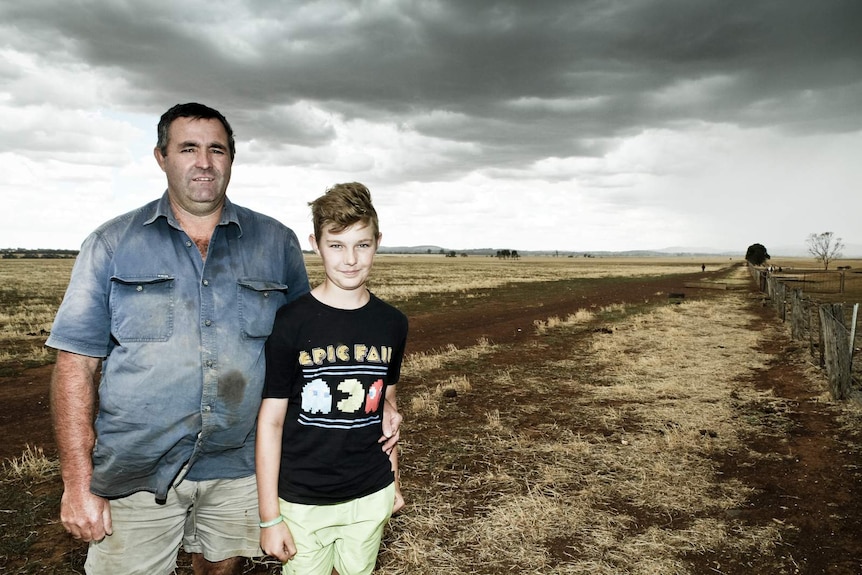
(271, 522)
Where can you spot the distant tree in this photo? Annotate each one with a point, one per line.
(825, 248)
(756, 255)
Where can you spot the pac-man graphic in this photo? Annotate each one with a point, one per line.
(355, 395)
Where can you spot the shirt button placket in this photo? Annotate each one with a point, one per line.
(208, 348)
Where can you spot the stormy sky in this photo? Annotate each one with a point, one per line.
(532, 125)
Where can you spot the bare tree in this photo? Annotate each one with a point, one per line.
(825, 247)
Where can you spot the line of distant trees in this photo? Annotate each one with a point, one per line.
(20, 253)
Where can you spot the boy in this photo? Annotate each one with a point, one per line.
(325, 488)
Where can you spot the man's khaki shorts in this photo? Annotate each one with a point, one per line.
(217, 518)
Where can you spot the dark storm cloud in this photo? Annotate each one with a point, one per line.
(519, 80)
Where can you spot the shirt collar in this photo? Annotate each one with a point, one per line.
(162, 209)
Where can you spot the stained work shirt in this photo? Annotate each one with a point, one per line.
(182, 341)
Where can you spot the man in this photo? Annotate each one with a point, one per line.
(175, 300)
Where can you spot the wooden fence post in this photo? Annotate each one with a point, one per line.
(834, 350)
(797, 316)
(820, 343)
(811, 316)
(852, 345)
(781, 300)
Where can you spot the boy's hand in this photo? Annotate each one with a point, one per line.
(391, 427)
(399, 501)
(277, 541)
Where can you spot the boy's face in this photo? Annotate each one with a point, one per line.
(347, 256)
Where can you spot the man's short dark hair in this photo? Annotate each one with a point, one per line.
(198, 112)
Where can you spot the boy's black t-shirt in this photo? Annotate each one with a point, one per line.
(333, 366)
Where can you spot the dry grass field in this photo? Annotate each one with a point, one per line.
(562, 416)
(30, 291)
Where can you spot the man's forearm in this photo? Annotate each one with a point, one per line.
(73, 401)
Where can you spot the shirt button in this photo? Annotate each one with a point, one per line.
(207, 408)
(139, 288)
(206, 282)
(209, 363)
(208, 323)
(188, 243)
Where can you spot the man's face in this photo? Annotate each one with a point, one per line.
(197, 164)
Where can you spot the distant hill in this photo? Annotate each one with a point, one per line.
(411, 250)
(20, 253)
(673, 251)
(851, 251)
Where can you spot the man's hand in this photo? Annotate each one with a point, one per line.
(85, 516)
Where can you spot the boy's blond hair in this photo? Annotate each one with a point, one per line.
(342, 206)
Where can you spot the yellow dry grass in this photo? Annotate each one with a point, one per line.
(598, 458)
(30, 294)
(619, 477)
(31, 466)
(34, 287)
(401, 278)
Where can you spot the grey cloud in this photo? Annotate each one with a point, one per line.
(514, 71)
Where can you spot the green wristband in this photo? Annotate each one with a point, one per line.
(271, 522)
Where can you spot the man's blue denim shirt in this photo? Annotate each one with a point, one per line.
(182, 341)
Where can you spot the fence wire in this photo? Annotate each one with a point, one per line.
(829, 329)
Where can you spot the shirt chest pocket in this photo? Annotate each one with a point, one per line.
(258, 300)
(142, 308)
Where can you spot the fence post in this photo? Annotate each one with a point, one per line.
(820, 343)
(835, 350)
(781, 294)
(853, 334)
(796, 315)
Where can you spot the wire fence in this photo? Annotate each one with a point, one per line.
(839, 281)
(828, 327)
